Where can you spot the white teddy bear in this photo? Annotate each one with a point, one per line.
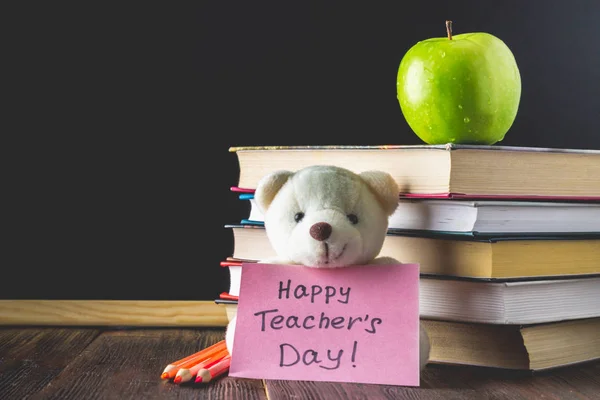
(325, 216)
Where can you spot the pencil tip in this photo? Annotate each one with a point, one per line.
(198, 379)
(177, 379)
(164, 375)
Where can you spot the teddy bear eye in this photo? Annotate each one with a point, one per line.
(298, 217)
(352, 218)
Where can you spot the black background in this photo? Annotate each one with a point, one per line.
(117, 169)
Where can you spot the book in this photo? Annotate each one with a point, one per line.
(454, 171)
(481, 218)
(461, 256)
(479, 301)
(520, 347)
(235, 275)
(510, 346)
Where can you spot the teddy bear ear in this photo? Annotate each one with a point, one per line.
(385, 188)
(268, 187)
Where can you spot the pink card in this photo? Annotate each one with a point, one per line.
(353, 324)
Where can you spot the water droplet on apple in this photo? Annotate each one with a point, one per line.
(452, 140)
(460, 106)
(443, 54)
(467, 120)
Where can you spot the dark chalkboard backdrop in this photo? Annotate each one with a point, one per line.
(117, 184)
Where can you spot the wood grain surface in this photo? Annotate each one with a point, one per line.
(442, 382)
(85, 363)
(31, 358)
(127, 365)
(149, 313)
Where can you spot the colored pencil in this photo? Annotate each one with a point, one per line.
(206, 375)
(171, 370)
(186, 374)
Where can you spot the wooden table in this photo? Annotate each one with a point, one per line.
(88, 363)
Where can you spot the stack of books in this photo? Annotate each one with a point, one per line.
(507, 239)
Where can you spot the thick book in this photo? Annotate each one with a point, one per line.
(480, 301)
(463, 256)
(519, 347)
(481, 218)
(456, 171)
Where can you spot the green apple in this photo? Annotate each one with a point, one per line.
(459, 89)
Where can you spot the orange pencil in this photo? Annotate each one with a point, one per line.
(171, 369)
(213, 371)
(186, 374)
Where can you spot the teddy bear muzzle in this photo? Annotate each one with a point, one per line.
(320, 231)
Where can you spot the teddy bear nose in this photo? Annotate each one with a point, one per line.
(320, 231)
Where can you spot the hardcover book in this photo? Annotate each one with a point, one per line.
(446, 171)
(490, 302)
(481, 218)
(463, 256)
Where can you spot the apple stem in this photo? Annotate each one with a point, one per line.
(449, 29)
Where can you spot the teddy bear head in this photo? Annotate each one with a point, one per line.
(326, 216)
